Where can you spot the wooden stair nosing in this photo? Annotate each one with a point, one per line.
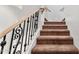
(54, 40)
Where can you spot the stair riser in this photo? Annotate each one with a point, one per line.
(54, 41)
(71, 52)
(54, 23)
(54, 33)
(54, 27)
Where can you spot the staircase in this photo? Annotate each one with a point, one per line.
(55, 39)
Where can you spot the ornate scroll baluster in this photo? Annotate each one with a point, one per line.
(18, 33)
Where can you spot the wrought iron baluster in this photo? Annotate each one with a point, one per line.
(34, 25)
(11, 41)
(33, 22)
(3, 43)
(16, 34)
(36, 20)
(19, 33)
(29, 31)
(31, 27)
(22, 36)
(26, 35)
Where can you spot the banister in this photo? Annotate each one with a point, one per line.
(14, 24)
(22, 33)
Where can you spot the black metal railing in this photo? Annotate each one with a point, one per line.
(21, 35)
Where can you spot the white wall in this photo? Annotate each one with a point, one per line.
(55, 13)
(72, 19)
(29, 8)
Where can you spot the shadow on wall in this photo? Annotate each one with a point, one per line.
(56, 12)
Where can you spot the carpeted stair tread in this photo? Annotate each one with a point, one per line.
(54, 32)
(54, 27)
(54, 40)
(55, 49)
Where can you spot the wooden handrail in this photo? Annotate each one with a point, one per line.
(16, 23)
